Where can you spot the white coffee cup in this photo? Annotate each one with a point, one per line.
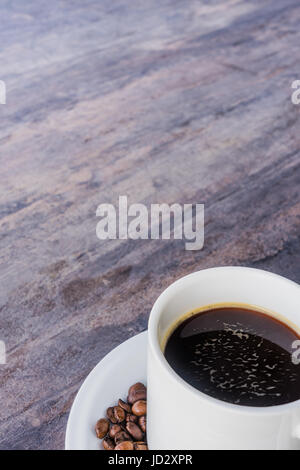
(181, 417)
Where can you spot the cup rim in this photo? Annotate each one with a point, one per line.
(156, 350)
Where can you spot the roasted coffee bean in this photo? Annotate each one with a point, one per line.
(139, 408)
(110, 414)
(114, 430)
(125, 445)
(142, 423)
(108, 444)
(140, 445)
(101, 428)
(122, 436)
(132, 418)
(137, 392)
(125, 428)
(134, 431)
(124, 405)
(119, 414)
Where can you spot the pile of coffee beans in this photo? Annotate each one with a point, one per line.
(124, 428)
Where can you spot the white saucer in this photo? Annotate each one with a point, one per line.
(108, 381)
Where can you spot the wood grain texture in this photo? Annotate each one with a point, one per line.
(163, 101)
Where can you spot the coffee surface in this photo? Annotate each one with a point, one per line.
(236, 355)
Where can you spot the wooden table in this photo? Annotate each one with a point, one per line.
(162, 101)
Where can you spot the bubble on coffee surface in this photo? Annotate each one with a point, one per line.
(236, 355)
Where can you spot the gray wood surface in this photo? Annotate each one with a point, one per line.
(163, 101)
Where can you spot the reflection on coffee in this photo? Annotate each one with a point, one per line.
(236, 355)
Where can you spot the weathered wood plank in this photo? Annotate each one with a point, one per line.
(165, 101)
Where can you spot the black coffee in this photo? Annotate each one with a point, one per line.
(236, 355)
